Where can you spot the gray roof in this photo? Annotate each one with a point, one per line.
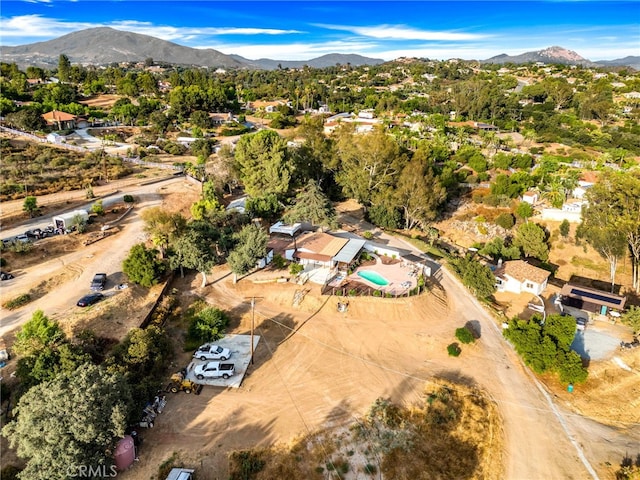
(350, 250)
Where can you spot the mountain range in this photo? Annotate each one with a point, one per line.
(104, 45)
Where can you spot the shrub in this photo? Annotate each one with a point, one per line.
(369, 469)
(128, 199)
(3, 262)
(17, 302)
(208, 325)
(505, 220)
(465, 335)
(353, 292)
(295, 268)
(368, 235)
(97, 208)
(564, 228)
(278, 262)
(453, 350)
(377, 293)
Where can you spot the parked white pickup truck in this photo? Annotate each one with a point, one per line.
(208, 351)
(214, 370)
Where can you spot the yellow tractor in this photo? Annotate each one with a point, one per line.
(180, 383)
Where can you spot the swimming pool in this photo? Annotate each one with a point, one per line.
(373, 277)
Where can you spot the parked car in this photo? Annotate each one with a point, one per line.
(98, 282)
(6, 276)
(214, 370)
(581, 323)
(90, 299)
(22, 238)
(209, 351)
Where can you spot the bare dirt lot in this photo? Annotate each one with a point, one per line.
(317, 368)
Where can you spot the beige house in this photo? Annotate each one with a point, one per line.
(518, 276)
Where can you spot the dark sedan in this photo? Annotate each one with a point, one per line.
(90, 299)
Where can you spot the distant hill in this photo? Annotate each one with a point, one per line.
(563, 56)
(633, 62)
(102, 46)
(548, 55)
(319, 62)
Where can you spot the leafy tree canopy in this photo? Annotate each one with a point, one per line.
(74, 419)
(142, 266)
(312, 205)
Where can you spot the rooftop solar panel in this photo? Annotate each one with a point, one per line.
(596, 296)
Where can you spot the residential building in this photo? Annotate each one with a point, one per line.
(518, 276)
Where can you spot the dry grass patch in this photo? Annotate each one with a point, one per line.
(453, 432)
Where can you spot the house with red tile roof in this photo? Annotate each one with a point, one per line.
(60, 120)
(518, 276)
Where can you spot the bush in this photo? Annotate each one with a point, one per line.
(377, 293)
(370, 469)
(564, 228)
(128, 199)
(17, 302)
(454, 350)
(505, 220)
(97, 208)
(278, 262)
(208, 325)
(465, 335)
(3, 262)
(296, 268)
(367, 235)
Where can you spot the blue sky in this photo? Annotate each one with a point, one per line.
(300, 30)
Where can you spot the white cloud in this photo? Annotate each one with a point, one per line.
(401, 32)
(293, 51)
(37, 26)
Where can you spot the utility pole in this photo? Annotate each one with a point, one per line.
(253, 305)
(253, 316)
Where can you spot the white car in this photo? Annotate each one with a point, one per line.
(214, 370)
(209, 351)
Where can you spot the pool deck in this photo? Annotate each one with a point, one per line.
(401, 277)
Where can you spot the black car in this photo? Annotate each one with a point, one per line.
(5, 276)
(90, 299)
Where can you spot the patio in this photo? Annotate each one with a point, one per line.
(400, 277)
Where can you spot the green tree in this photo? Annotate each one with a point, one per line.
(28, 119)
(142, 265)
(30, 205)
(163, 227)
(505, 220)
(419, 193)
(208, 325)
(497, 249)
(193, 250)
(64, 68)
(370, 164)
(251, 247)
(524, 210)
(477, 277)
(266, 206)
(632, 318)
(209, 205)
(75, 419)
(37, 333)
(532, 240)
(599, 229)
(312, 205)
(564, 228)
(614, 204)
(263, 162)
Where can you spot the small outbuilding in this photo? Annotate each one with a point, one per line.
(598, 302)
(518, 276)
